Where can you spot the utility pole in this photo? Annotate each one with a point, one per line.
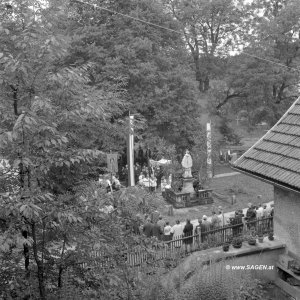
(130, 152)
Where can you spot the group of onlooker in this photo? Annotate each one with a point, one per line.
(149, 182)
(111, 183)
(152, 182)
(165, 232)
(183, 233)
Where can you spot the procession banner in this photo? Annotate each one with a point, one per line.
(208, 141)
(112, 162)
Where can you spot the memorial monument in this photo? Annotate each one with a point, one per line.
(187, 164)
(188, 196)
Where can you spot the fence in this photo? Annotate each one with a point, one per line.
(206, 239)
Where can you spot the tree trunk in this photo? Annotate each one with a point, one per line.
(26, 251)
(206, 83)
(22, 174)
(40, 265)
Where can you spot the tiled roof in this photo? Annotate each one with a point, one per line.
(276, 156)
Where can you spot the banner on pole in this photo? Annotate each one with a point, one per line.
(208, 141)
(112, 162)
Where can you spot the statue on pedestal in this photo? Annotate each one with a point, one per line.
(187, 164)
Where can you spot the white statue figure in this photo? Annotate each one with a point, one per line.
(187, 164)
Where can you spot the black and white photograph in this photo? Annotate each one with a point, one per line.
(150, 149)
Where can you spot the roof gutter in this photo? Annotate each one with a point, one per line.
(265, 180)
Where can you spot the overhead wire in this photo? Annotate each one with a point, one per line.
(176, 31)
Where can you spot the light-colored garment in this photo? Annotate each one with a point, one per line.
(267, 211)
(260, 212)
(141, 179)
(147, 182)
(153, 182)
(167, 230)
(222, 219)
(163, 185)
(116, 181)
(177, 229)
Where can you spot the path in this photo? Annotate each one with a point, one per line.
(226, 174)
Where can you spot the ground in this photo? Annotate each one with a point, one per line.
(246, 189)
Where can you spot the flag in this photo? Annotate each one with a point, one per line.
(208, 143)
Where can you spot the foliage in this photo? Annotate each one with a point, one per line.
(237, 241)
(210, 29)
(229, 137)
(264, 87)
(153, 63)
(71, 235)
(50, 120)
(213, 281)
(69, 76)
(8, 178)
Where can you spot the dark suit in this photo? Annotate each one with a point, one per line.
(148, 229)
(156, 231)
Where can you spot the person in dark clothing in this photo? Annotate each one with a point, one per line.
(147, 155)
(148, 228)
(237, 222)
(272, 210)
(156, 231)
(141, 156)
(188, 234)
(155, 154)
(250, 216)
(159, 176)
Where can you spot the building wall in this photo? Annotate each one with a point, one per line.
(287, 219)
(266, 258)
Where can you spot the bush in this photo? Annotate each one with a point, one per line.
(215, 282)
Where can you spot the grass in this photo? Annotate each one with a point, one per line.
(244, 187)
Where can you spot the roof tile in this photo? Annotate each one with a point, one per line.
(276, 156)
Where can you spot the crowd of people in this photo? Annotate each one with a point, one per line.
(182, 233)
(148, 176)
(111, 183)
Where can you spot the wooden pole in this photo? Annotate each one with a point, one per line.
(130, 152)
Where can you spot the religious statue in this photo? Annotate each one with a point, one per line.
(187, 164)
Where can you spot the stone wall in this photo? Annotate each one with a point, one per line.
(266, 253)
(287, 219)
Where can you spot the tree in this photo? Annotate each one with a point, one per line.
(153, 61)
(49, 118)
(267, 85)
(211, 29)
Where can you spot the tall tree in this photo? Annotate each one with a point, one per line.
(48, 124)
(265, 86)
(211, 29)
(154, 62)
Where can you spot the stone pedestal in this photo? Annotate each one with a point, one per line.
(188, 185)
